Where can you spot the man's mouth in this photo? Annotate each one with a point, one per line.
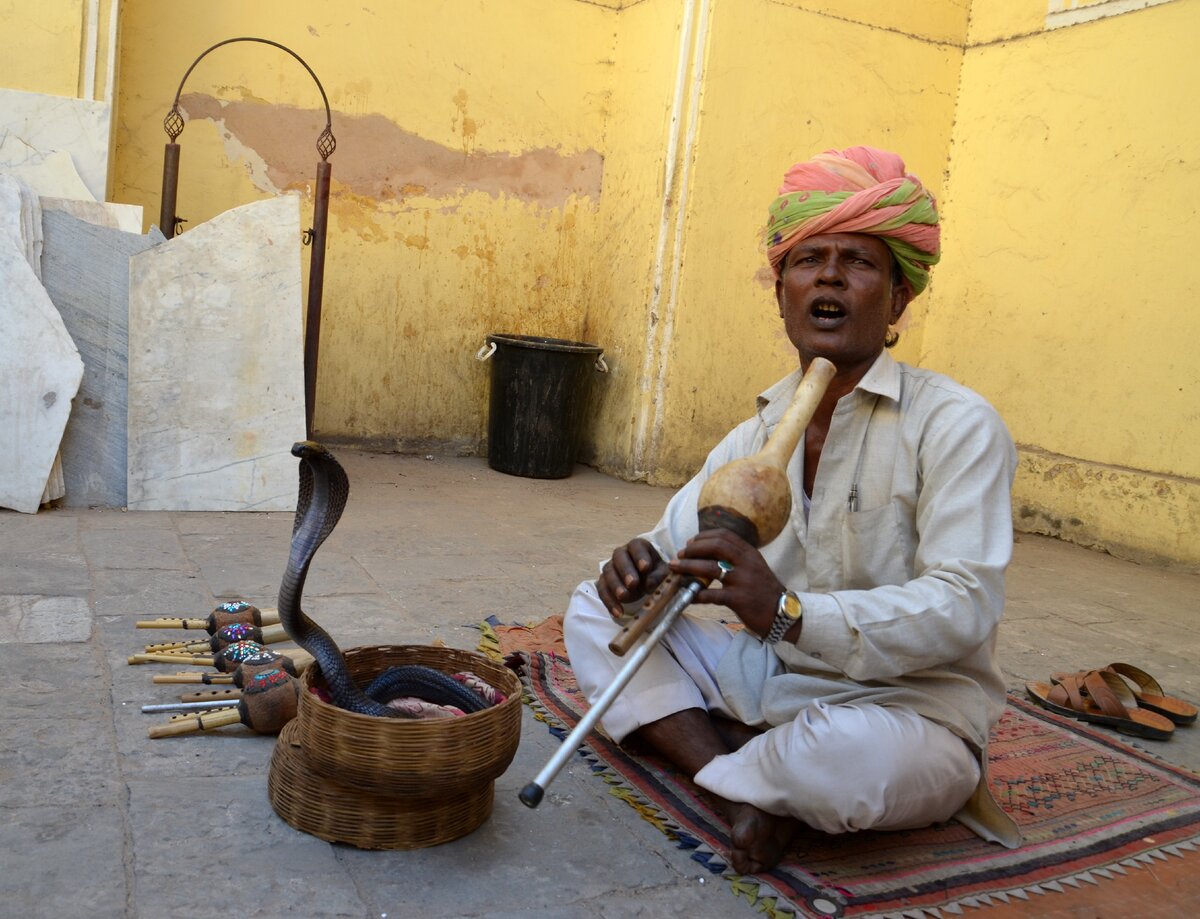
(826, 310)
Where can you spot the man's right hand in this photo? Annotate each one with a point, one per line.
(635, 570)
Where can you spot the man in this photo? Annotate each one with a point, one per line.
(860, 693)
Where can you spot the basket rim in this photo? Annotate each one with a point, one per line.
(512, 697)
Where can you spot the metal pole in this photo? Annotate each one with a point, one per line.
(531, 794)
(174, 124)
(316, 283)
(170, 187)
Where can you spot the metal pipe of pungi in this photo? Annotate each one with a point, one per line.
(189, 706)
(531, 794)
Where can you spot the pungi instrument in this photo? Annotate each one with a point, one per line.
(750, 496)
(294, 661)
(224, 636)
(268, 702)
(225, 614)
(226, 660)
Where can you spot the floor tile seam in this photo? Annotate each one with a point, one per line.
(104, 668)
(371, 906)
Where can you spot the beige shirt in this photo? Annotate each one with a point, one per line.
(900, 566)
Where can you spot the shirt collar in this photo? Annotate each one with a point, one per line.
(883, 379)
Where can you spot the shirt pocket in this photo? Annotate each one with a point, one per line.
(876, 549)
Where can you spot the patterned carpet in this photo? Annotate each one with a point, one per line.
(1093, 811)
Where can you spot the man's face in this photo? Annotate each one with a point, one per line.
(836, 298)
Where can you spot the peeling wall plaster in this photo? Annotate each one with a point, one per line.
(376, 158)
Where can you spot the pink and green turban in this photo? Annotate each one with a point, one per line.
(858, 190)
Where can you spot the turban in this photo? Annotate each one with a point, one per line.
(858, 190)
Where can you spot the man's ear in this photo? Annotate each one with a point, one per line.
(900, 300)
(779, 295)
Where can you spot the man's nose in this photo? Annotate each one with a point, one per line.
(831, 272)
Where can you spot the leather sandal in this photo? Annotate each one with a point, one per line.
(1100, 697)
(1150, 695)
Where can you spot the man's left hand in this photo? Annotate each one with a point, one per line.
(749, 588)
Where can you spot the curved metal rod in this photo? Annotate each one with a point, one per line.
(174, 124)
(265, 41)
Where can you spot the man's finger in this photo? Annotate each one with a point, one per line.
(643, 555)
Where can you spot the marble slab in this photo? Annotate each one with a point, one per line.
(127, 217)
(35, 127)
(21, 222)
(51, 174)
(40, 372)
(21, 219)
(85, 270)
(216, 367)
(56, 482)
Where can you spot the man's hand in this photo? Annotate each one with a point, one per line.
(749, 588)
(635, 570)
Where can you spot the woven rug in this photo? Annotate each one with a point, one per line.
(1093, 811)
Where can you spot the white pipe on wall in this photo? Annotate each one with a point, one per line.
(91, 42)
(649, 351)
(110, 73)
(689, 146)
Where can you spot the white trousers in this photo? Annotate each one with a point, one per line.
(837, 768)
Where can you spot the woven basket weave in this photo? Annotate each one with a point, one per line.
(330, 811)
(400, 757)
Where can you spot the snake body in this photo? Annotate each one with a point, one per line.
(324, 489)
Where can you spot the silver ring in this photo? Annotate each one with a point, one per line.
(725, 567)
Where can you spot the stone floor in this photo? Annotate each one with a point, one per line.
(99, 820)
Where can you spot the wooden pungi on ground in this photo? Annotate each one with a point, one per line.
(294, 661)
(268, 702)
(223, 638)
(234, 613)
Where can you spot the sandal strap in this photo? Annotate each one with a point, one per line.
(1109, 693)
(1145, 683)
(1069, 691)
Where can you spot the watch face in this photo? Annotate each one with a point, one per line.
(791, 605)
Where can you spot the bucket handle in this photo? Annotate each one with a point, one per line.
(488, 349)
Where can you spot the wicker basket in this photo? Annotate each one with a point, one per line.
(411, 758)
(330, 811)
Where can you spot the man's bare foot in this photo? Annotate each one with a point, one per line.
(758, 840)
(691, 739)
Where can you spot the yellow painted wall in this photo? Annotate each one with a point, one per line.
(992, 21)
(60, 48)
(935, 20)
(1067, 293)
(466, 183)
(40, 46)
(634, 203)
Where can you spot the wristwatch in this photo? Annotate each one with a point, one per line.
(787, 614)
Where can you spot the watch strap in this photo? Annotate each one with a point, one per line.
(783, 620)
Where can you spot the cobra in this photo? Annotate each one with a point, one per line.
(324, 489)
